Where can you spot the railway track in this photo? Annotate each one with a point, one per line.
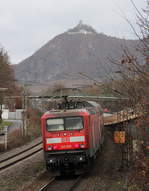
(45, 187)
(68, 184)
(20, 156)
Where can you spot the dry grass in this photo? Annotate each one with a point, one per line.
(15, 139)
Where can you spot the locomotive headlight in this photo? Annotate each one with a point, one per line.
(82, 146)
(77, 145)
(55, 147)
(81, 158)
(52, 160)
(49, 147)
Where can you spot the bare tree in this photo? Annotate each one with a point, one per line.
(7, 80)
(134, 83)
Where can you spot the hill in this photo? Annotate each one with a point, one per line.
(80, 49)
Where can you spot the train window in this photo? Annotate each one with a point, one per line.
(73, 123)
(55, 124)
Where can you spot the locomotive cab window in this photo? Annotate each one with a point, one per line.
(55, 124)
(64, 124)
(73, 123)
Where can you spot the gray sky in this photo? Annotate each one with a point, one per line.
(26, 25)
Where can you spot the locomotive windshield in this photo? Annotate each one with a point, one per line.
(73, 123)
(63, 124)
(55, 124)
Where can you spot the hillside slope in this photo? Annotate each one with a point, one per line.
(80, 49)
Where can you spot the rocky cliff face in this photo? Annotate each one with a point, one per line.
(80, 49)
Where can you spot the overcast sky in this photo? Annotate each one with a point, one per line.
(26, 25)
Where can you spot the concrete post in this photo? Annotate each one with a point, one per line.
(6, 137)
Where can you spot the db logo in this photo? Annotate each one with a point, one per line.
(65, 139)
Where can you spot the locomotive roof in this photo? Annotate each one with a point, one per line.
(93, 103)
(53, 111)
(89, 108)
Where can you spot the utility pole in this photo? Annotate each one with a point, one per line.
(1, 101)
(6, 137)
(24, 106)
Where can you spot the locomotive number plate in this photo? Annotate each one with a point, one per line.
(66, 147)
(65, 139)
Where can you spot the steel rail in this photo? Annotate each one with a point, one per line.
(8, 162)
(71, 188)
(20, 152)
(45, 187)
(75, 183)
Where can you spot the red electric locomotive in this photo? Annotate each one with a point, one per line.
(72, 135)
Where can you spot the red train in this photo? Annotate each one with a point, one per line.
(72, 136)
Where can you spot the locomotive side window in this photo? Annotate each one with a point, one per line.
(55, 124)
(73, 123)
